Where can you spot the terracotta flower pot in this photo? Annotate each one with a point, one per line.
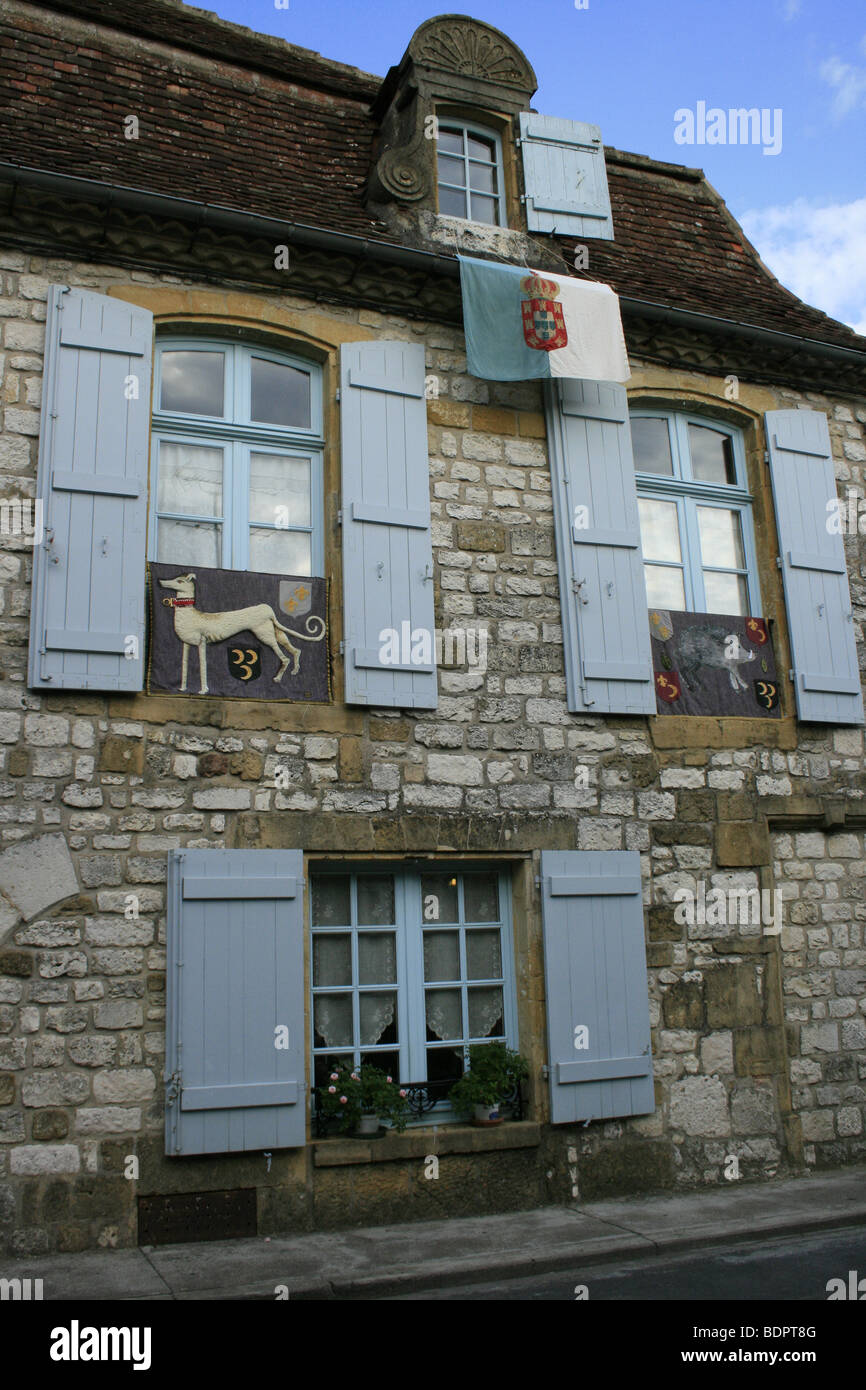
(487, 1115)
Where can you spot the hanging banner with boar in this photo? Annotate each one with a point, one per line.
(707, 663)
(237, 635)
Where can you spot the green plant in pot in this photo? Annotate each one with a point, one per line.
(362, 1098)
(494, 1071)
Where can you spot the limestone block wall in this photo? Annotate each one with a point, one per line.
(754, 1057)
(823, 880)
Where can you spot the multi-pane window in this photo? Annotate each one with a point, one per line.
(236, 472)
(469, 173)
(695, 515)
(409, 969)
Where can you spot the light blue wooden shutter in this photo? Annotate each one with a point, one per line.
(387, 542)
(605, 628)
(235, 976)
(564, 177)
(814, 572)
(87, 605)
(595, 974)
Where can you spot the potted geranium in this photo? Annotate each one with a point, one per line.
(494, 1072)
(362, 1098)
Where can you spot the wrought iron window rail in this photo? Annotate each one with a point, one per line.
(422, 1097)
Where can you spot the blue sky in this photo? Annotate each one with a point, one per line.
(630, 65)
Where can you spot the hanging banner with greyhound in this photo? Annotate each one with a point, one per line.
(237, 635)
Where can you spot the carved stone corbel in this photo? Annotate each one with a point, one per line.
(403, 172)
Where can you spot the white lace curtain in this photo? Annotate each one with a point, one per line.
(377, 1010)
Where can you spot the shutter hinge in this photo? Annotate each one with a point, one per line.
(791, 675)
(577, 586)
(340, 517)
(337, 394)
(778, 562)
(342, 647)
(766, 456)
(545, 1072)
(173, 1085)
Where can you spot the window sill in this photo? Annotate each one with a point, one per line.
(418, 1143)
(721, 731)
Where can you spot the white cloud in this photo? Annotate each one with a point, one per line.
(793, 8)
(848, 83)
(818, 252)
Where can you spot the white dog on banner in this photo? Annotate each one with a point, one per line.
(197, 629)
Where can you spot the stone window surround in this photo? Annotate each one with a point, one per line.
(423, 1141)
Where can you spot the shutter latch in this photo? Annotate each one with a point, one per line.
(577, 587)
(48, 546)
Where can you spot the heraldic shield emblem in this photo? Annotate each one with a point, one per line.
(295, 597)
(543, 319)
(668, 685)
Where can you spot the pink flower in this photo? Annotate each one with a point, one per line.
(389, 1078)
(335, 1076)
(342, 1100)
(332, 1090)
(355, 1076)
(403, 1094)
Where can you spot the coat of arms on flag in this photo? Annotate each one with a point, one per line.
(571, 327)
(543, 319)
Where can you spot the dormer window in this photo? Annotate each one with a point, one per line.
(469, 173)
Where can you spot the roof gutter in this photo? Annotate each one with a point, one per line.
(228, 219)
(219, 217)
(693, 318)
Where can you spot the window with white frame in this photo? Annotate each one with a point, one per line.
(236, 468)
(469, 173)
(409, 967)
(695, 514)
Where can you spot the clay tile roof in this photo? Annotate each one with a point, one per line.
(250, 122)
(201, 31)
(677, 244)
(256, 125)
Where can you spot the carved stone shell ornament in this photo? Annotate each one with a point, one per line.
(474, 50)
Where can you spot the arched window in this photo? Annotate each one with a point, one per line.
(469, 173)
(695, 514)
(236, 464)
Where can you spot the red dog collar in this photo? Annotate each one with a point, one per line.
(179, 602)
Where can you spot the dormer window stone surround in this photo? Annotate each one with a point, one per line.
(463, 70)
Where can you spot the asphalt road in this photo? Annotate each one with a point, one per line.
(792, 1267)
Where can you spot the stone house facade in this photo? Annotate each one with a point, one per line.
(524, 796)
